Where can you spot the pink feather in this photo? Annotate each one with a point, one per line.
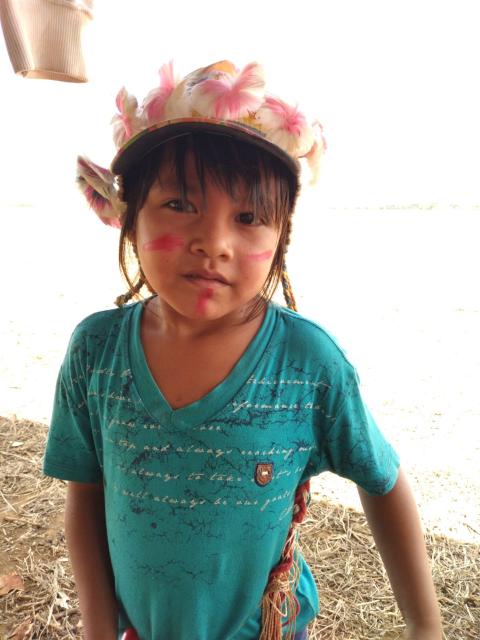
(97, 185)
(286, 126)
(125, 121)
(98, 203)
(95, 199)
(320, 135)
(111, 222)
(89, 168)
(291, 119)
(230, 97)
(154, 103)
(314, 155)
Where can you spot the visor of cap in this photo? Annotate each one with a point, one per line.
(146, 141)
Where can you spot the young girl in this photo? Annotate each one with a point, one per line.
(189, 423)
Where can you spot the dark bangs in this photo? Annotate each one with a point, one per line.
(235, 165)
(232, 164)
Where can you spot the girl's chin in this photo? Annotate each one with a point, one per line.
(205, 302)
(205, 309)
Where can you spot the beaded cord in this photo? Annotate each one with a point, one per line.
(287, 290)
(279, 598)
(125, 297)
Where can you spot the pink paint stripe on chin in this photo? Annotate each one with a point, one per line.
(168, 242)
(203, 298)
(260, 257)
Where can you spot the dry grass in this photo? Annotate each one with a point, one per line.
(32, 542)
(356, 601)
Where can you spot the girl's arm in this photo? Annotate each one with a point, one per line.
(397, 531)
(87, 545)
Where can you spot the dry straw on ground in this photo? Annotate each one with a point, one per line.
(39, 600)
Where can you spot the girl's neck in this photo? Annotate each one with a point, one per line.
(161, 319)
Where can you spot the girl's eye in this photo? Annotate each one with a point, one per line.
(180, 206)
(248, 218)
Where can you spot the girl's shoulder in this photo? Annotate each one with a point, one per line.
(102, 324)
(307, 336)
(101, 320)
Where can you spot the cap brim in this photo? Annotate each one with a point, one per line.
(143, 143)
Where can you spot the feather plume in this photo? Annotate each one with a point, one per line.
(178, 103)
(154, 104)
(98, 186)
(128, 121)
(285, 126)
(314, 156)
(227, 96)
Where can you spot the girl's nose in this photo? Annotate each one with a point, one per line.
(212, 238)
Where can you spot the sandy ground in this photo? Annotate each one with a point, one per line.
(398, 288)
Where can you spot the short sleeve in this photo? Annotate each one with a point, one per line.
(352, 445)
(71, 452)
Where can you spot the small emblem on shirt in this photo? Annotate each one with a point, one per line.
(263, 473)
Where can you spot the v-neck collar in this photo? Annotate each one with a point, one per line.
(206, 407)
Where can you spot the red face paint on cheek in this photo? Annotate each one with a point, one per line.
(260, 257)
(168, 242)
(202, 301)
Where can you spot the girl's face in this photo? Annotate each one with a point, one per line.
(206, 256)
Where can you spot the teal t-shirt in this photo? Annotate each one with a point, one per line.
(199, 499)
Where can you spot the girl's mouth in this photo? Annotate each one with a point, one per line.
(206, 279)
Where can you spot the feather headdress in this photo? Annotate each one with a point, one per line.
(154, 104)
(128, 121)
(218, 98)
